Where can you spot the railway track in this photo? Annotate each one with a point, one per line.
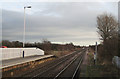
(66, 68)
(44, 68)
(71, 69)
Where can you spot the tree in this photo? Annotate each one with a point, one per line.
(17, 44)
(7, 43)
(107, 26)
(46, 45)
(108, 30)
(119, 39)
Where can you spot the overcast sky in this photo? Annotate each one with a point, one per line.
(59, 22)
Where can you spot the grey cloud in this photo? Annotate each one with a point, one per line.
(55, 21)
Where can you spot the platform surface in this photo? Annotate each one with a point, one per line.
(17, 61)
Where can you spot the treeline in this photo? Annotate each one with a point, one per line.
(44, 45)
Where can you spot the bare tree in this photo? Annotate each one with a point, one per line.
(46, 45)
(107, 26)
(108, 30)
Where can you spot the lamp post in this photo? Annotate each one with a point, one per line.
(24, 29)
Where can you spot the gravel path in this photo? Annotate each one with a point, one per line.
(83, 67)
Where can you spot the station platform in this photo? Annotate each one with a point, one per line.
(17, 61)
